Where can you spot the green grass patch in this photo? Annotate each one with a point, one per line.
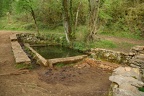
(96, 44)
(24, 66)
(104, 44)
(123, 34)
(62, 64)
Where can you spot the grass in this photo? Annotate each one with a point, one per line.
(23, 66)
(96, 44)
(123, 34)
(104, 44)
(62, 65)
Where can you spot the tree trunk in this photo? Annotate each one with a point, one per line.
(93, 17)
(33, 15)
(66, 30)
(77, 14)
(67, 21)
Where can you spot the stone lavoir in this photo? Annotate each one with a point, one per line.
(125, 80)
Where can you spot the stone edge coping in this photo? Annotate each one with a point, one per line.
(41, 59)
(19, 55)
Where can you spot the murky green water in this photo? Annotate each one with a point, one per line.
(50, 52)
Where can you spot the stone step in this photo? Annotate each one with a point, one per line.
(19, 55)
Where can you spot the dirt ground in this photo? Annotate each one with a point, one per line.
(82, 79)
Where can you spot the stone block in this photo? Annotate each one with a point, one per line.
(119, 79)
(13, 37)
(19, 55)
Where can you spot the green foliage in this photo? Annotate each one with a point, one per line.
(25, 5)
(141, 89)
(122, 18)
(80, 46)
(5, 7)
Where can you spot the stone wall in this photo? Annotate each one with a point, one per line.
(126, 82)
(138, 60)
(112, 56)
(134, 58)
(51, 39)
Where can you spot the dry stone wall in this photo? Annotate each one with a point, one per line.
(126, 81)
(135, 58)
(112, 56)
(138, 60)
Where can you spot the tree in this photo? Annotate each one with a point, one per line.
(28, 6)
(5, 6)
(93, 18)
(67, 19)
(77, 15)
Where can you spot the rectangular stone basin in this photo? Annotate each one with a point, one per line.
(49, 55)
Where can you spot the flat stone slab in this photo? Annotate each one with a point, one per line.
(126, 81)
(41, 59)
(13, 37)
(19, 54)
(65, 60)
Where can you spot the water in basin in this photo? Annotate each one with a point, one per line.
(50, 52)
